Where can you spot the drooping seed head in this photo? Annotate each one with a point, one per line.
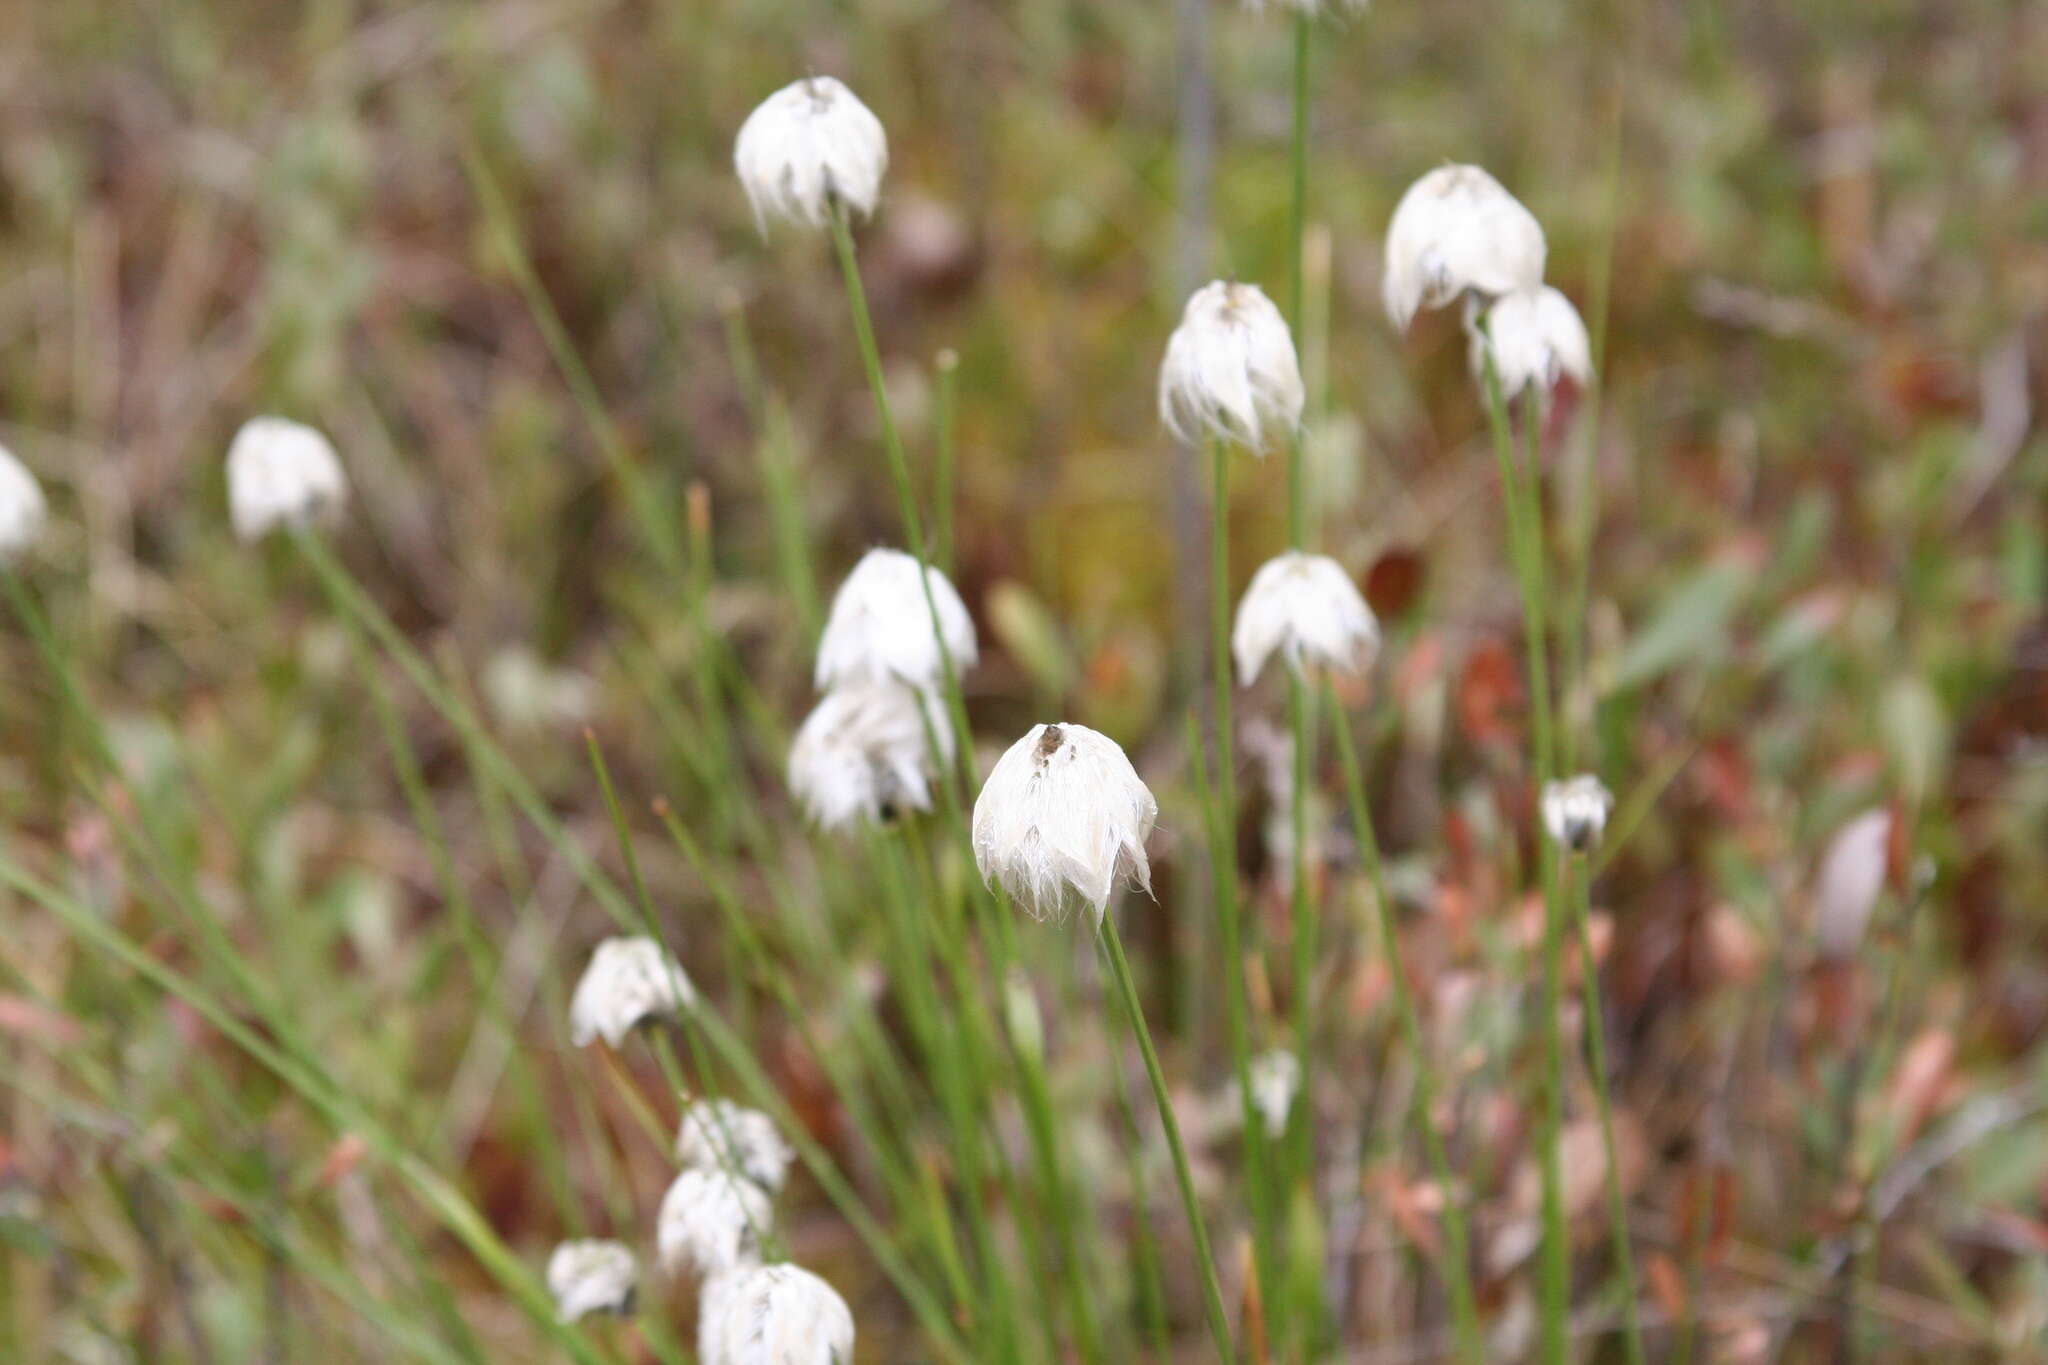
(712, 1221)
(773, 1315)
(1276, 1080)
(281, 474)
(628, 980)
(1230, 372)
(1457, 231)
(592, 1277)
(1062, 822)
(1306, 609)
(1575, 811)
(718, 1135)
(880, 628)
(1852, 877)
(863, 756)
(1537, 338)
(22, 507)
(807, 146)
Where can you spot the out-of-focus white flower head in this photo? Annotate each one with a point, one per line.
(1457, 230)
(1537, 339)
(712, 1221)
(1276, 1079)
(1230, 370)
(1852, 877)
(628, 980)
(773, 1315)
(718, 1135)
(1062, 820)
(808, 144)
(862, 754)
(592, 1277)
(1575, 811)
(281, 473)
(1306, 609)
(880, 628)
(22, 508)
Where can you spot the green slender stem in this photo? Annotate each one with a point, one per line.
(1457, 1265)
(1297, 287)
(1212, 1293)
(775, 446)
(1596, 1046)
(1525, 528)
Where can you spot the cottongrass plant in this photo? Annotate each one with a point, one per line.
(1458, 237)
(866, 755)
(282, 474)
(593, 1276)
(712, 1220)
(23, 509)
(717, 1134)
(773, 1315)
(629, 981)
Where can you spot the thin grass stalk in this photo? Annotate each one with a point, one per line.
(1526, 547)
(1151, 1281)
(1212, 1293)
(775, 447)
(1596, 1047)
(1457, 1269)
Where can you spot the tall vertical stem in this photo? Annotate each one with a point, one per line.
(1212, 1293)
(1581, 877)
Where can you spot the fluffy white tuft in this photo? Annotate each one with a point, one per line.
(1230, 370)
(773, 1315)
(1306, 609)
(1575, 811)
(281, 473)
(712, 1221)
(1852, 876)
(880, 628)
(808, 144)
(1312, 8)
(718, 1135)
(22, 508)
(628, 980)
(1457, 230)
(592, 1277)
(1537, 338)
(1276, 1080)
(1063, 820)
(862, 754)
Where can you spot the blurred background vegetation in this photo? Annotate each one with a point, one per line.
(1818, 584)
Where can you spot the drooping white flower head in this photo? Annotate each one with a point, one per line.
(880, 628)
(592, 1277)
(718, 1135)
(22, 508)
(1456, 230)
(281, 473)
(711, 1222)
(1575, 811)
(773, 1315)
(1230, 370)
(1276, 1079)
(628, 980)
(1537, 337)
(1852, 877)
(1306, 609)
(1309, 7)
(1062, 820)
(862, 755)
(808, 144)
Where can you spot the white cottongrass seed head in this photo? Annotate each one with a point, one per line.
(1062, 821)
(22, 508)
(718, 1135)
(807, 145)
(712, 1221)
(1230, 371)
(592, 1277)
(864, 754)
(1457, 231)
(1311, 8)
(880, 627)
(1537, 339)
(1276, 1079)
(773, 1315)
(628, 980)
(281, 473)
(1852, 877)
(1306, 609)
(1575, 811)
